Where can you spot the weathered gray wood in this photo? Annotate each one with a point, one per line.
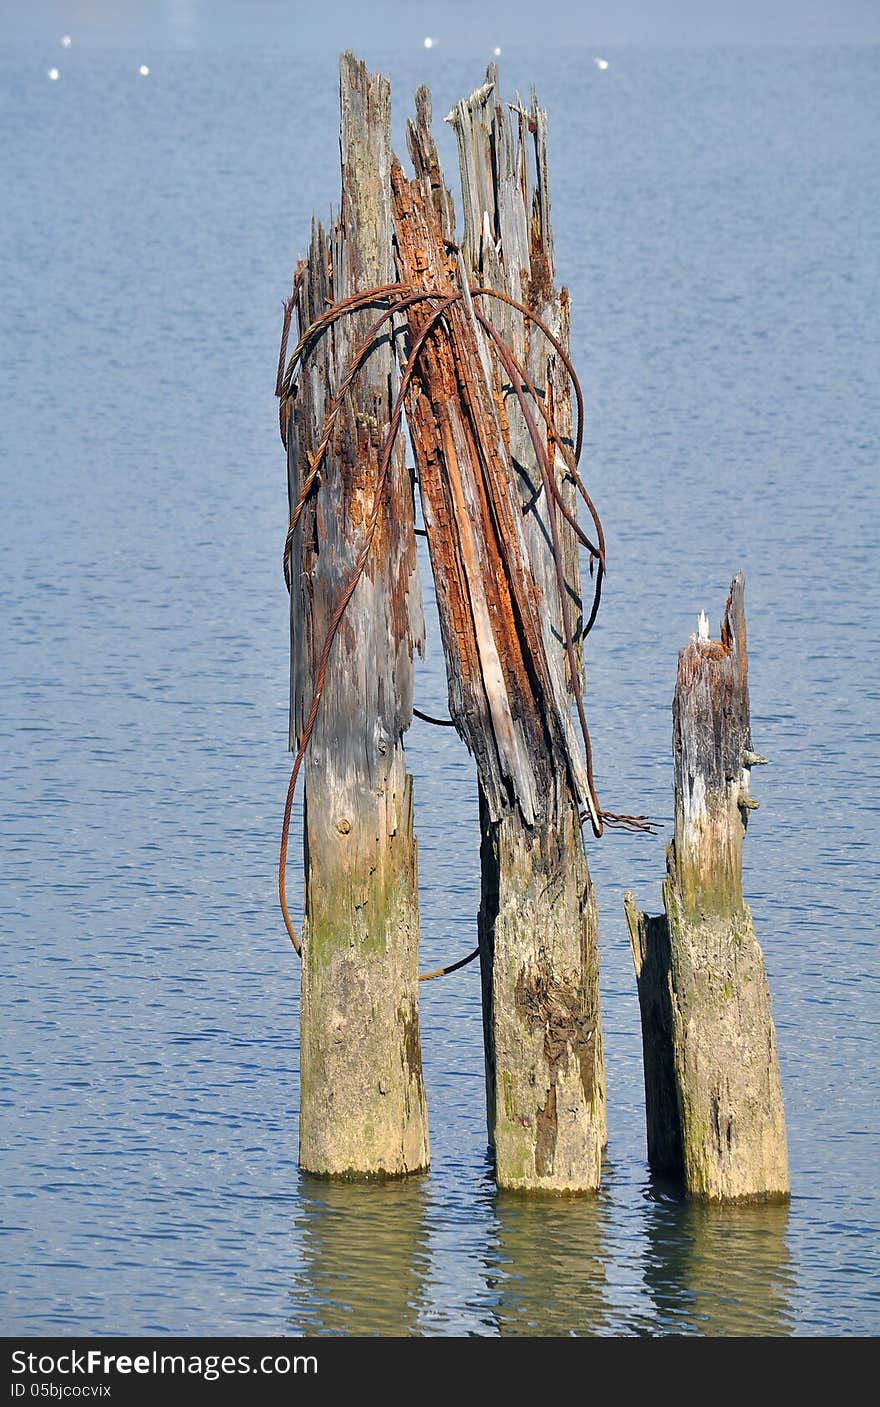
(501, 686)
(723, 1054)
(508, 245)
(538, 923)
(362, 1096)
(544, 1053)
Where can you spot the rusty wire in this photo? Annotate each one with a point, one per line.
(453, 967)
(402, 296)
(285, 332)
(316, 459)
(352, 304)
(547, 475)
(321, 673)
(399, 296)
(597, 553)
(289, 304)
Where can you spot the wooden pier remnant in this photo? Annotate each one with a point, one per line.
(490, 533)
(362, 1109)
(712, 1081)
(480, 332)
(538, 921)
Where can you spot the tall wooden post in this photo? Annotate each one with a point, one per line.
(509, 702)
(538, 922)
(702, 984)
(362, 1097)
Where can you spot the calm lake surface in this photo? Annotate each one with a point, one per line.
(716, 219)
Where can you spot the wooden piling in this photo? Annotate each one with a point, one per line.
(546, 927)
(362, 1107)
(707, 1021)
(508, 692)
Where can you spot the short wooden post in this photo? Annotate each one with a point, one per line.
(705, 1000)
(362, 1097)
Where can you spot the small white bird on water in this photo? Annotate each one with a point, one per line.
(601, 63)
(144, 71)
(54, 74)
(66, 41)
(428, 42)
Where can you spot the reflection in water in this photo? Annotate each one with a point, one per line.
(364, 1258)
(717, 1271)
(548, 1270)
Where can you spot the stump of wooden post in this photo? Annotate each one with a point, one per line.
(362, 1107)
(706, 1018)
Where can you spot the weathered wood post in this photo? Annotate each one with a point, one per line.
(362, 1107)
(508, 698)
(705, 1000)
(538, 922)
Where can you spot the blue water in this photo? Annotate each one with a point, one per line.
(716, 221)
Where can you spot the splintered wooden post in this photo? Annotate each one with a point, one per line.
(649, 940)
(538, 924)
(508, 697)
(363, 1104)
(707, 1023)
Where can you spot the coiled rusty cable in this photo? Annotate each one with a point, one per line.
(401, 296)
(392, 291)
(597, 553)
(316, 459)
(547, 475)
(352, 304)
